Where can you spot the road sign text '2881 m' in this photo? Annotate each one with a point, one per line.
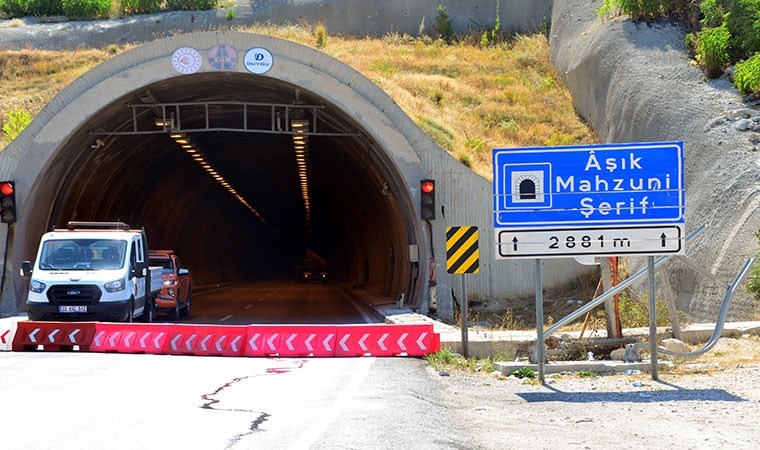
(606, 199)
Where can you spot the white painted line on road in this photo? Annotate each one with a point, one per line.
(226, 317)
(248, 307)
(341, 402)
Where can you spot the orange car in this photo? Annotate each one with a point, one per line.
(176, 291)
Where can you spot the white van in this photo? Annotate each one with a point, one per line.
(92, 271)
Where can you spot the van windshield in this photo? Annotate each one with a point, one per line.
(82, 254)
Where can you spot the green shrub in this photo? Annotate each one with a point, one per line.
(713, 12)
(525, 372)
(15, 122)
(86, 9)
(443, 24)
(194, 5)
(231, 13)
(45, 7)
(753, 284)
(747, 79)
(320, 34)
(15, 8)
(712, 50)
(140, 6)
(743, 22)
(440, 134)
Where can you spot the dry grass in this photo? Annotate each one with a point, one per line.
(469, 99)
(728, 354)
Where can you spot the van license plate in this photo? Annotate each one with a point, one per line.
(72, 308)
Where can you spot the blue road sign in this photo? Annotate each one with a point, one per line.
(606, 185)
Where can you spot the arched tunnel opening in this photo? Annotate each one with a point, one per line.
(257, 212)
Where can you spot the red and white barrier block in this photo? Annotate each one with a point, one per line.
(53, 336)
(130, 338)
(207, 340)
(387, 340)
(291, 340)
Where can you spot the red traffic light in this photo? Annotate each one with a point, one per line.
(7, 188)
(428, 186)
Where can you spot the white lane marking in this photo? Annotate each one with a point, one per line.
(248, 307)
(328, 416)
(226, 317)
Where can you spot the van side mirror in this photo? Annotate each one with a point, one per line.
(183, 272)
(26, 269)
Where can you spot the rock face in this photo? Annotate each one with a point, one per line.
(634, 83)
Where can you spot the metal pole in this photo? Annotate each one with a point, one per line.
(652, 316)
(539, 322)
(464, 315)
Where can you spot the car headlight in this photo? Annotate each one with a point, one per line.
(115, 286)
(37, 286)
(167, 282)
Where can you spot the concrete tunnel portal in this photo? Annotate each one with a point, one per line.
(115, 155)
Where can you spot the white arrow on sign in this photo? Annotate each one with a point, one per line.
(361, 341)
(253, 340)
(419, 341)
(31, 335)
(203, 342)
(72, 339)
(127, 337)
(174, 341)
(326, 342)
(143, 338)
(343, 342)
(400, 341)
(234, 343)
(51, 336)
(270, 342)
(189, 342)
(381, 341)
(155, 341)
(307, 342)
(97, 337)
(114, 336)
(289, 342)
(219, 343)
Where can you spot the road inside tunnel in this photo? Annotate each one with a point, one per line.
(254, 213)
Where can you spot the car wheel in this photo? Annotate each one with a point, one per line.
(185, 310)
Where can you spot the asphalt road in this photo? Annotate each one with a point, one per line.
(100, 401)
(276, 302)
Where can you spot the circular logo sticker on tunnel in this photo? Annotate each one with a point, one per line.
(222, 57)
(186, 60)
(258, 60)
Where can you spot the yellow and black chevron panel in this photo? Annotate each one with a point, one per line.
(462, 254)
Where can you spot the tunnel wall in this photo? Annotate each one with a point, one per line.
(464, 198)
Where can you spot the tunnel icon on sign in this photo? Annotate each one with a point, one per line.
(528, 185)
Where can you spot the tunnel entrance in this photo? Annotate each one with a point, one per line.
(243, 177)
(241, 174)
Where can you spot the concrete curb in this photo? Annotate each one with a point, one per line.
(617, 367)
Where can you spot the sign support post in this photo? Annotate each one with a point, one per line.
(463, 257)
(465, 340)
(539, 322)
(652, 317)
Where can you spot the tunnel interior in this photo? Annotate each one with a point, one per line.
(124, 164)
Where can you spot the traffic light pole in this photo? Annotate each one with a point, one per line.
(5, 258)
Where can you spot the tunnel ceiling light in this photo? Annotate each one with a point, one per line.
(184, 141)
